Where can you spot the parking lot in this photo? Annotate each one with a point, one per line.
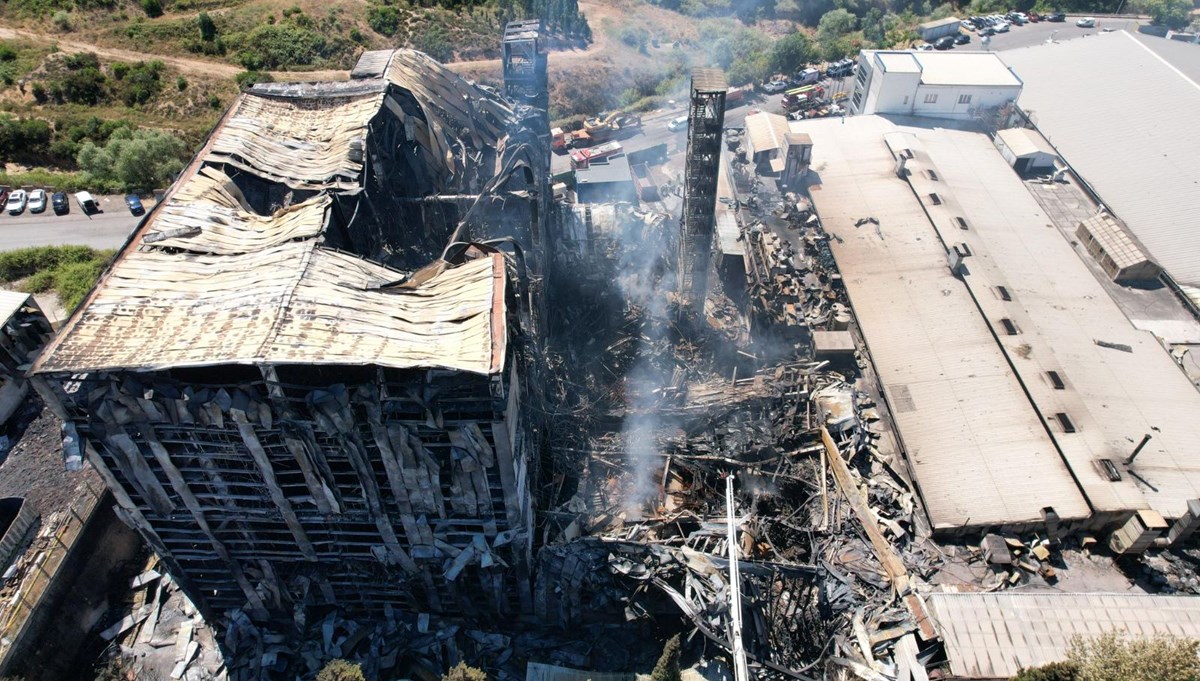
(106, 229)
(1042, 31)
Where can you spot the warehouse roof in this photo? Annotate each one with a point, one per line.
(1114, 394)
(979, 454)
(994, 635)
(1025, 142)
(1116, 241)
(1146, 172)
(211, 277)
(11, 303)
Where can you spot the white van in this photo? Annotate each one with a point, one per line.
(86, 203)
(677, 123)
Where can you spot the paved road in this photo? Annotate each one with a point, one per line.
(102, 230)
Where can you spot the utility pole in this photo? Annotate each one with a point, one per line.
(741, 671)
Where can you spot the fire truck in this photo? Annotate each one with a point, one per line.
(580, 158)
(802, 98)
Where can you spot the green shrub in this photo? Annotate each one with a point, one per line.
(7, 52)
(383, 19)
(434, 41)
(141, 159)
(270, 47)
(214, 102)
(152, 8)
(24, 262)
(340, 670)
(1113, 657)
(181, 83)
(1055, 671)
(61, 21)
(208, 29)
(248, 79)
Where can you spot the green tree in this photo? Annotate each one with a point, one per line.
(1174, 14)
(340, 670)
(464, 672)
(833, 32)
(142, 159)
(667, 668)
(1113, 657)
(790, 53)
(208, 28)
(152, 8)
(383, 19)
(1055, 671)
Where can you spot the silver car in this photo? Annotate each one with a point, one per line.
(17, 201)
(37, 201)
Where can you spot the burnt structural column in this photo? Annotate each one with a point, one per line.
(706, 120)
(525, 64)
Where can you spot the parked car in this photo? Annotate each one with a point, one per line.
(962, 38)
(86, 203)
(677, 123)
(774, 87)
(1033, 17)
(1002, 27)
(1056, 16)
(966, 25)
(37, 201)
(135, 204)
(1086, 22)
(946, 42)
(923, 47)
(987, 32)
(1018, 19)
(17, 200)
(60, 204)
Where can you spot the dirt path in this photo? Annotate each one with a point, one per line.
(185, 64)
(595, 12)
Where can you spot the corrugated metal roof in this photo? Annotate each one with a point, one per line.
(979, 454)
(938, 23)
(1060, 308)
(10, 303)
(1025, 142)
(209, 280)
(1140, 151)
(994, 635)
(705, 79)
(766, 132)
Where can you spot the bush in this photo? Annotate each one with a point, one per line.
(340, 670)
(248, 79)
(384, 20)
(1112, 657)
(181, 83)
(464, 672)
(208, 29)
(7, 52)
(435, 42)
(70, 271)
(214, 102)
(24, 139)
(270, 47)
(1055, 671)
(61, 21)
(134, 159)
(152, 8)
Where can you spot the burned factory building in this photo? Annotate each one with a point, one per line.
(303, 378)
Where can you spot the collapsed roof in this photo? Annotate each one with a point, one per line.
(295, 233)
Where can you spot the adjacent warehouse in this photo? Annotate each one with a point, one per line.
(1018, 387)
(1141, 160)
(936, 84)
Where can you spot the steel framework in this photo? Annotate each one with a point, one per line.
(706, 120)
(525, 64)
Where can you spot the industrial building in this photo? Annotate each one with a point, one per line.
(1145, 175)
(606, 180)
(1021, 392)
(935, 84)
(297, 392)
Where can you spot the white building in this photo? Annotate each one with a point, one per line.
(1025, 150)
(937, 84)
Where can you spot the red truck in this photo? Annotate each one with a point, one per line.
(580, 158)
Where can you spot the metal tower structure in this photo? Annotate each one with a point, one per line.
(525, 64)
(706, 120)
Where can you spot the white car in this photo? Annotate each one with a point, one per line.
(677, 124)
(1003, 27)
(16, 202)
(37, 201)
(924, 47)
(774, 87)
(967, 26)
(1086, 22)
